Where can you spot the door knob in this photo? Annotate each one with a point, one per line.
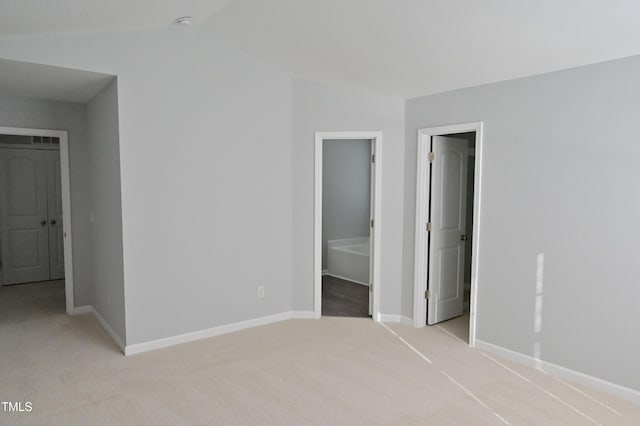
(43, 222)
(53, 221)
(463, 237)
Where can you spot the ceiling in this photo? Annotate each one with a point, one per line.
(46, 82)
(416, 47)
(401, 47)
(47, 16)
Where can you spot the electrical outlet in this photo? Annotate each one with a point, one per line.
(260, 292)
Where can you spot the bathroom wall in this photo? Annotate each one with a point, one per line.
(346, 186)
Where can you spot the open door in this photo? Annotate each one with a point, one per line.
(447, 228)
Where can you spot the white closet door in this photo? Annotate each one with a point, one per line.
(54, 201)
(448, 217)
(24, 226)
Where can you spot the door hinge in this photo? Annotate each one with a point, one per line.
(428, 226)
(373, 158)
(372, 223)
(431, 156)
(427, 294)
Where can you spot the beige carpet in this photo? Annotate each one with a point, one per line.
(332, 371)
(459, 327)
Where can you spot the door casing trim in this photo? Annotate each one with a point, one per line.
(66, 200)
(423, 185)
(320, 137)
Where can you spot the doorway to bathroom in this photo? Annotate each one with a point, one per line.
(346, 232)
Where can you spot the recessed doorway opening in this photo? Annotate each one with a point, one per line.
(35, 208)
(346, 232)
(447, 235)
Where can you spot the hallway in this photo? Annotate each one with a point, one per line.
(32, 301)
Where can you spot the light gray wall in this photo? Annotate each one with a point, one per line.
(560, 177)
(346, 190)
(105, 208)
(205, 161)
(322, 107)
(42, 114)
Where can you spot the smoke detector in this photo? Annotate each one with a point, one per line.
(185, 20)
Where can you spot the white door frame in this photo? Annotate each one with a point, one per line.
(66, 200)
(423, 185)
(320, 137)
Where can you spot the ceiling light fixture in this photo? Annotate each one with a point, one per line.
(185, 20)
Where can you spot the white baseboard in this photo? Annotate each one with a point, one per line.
(189, 337)
(303, 315)
(345, 278)
(563, 372)
(88, 309)
(211, 332)
(107, 327)
(389, 318)
(81, 310)
(396, 318)
(406, 321)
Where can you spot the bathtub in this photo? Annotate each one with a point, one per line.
(349, 259)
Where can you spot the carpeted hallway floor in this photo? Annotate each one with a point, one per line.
(332, 371)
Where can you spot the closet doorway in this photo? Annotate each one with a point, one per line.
(447, 228)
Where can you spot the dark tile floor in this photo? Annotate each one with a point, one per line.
(342, 298)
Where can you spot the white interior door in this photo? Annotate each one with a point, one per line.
(54, 202)
(447, 239)
(24, 227)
